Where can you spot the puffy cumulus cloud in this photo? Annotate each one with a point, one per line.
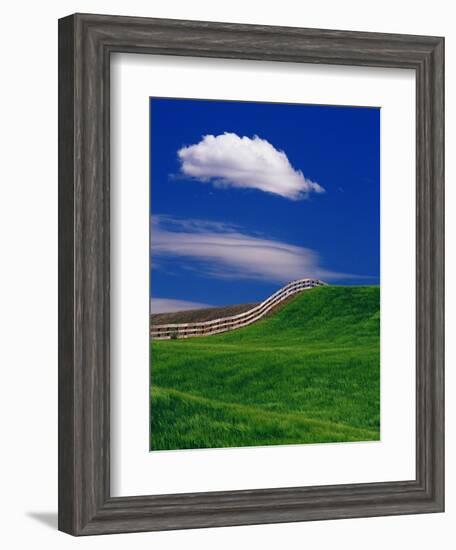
(169, 305)
(229, 252)
(231, 160)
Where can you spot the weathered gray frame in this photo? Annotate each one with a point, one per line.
(85, 45)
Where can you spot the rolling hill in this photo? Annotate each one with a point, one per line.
(308, 373)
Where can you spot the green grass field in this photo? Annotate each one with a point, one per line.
(309, 373)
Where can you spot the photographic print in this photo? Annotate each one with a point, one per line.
(264, 274)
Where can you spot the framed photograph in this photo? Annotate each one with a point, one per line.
(251, 274)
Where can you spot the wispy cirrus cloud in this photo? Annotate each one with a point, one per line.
(229, 252)
(168, 305)
(234, 161)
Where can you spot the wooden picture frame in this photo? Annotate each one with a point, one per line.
(85, 45)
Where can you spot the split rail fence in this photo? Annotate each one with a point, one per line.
(224, 324)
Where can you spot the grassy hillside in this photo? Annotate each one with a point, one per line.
(309, 373)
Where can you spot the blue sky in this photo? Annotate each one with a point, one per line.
(248, 196)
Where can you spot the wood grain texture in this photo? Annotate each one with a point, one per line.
(85, 45)
(66, 276)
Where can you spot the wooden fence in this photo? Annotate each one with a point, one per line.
(206, 328)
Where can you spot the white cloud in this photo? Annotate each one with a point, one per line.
(231, 160)
(225, 251)
(169, 305)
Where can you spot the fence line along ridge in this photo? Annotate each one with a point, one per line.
(224, 324)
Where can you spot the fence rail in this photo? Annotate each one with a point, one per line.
(225, 324)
